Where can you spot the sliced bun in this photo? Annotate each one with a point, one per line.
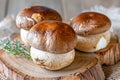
(52, 36)
(90, 23)
(34, 14)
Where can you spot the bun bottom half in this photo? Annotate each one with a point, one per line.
(51, 61)
(93, 43)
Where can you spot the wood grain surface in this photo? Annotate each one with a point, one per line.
(111, 54)
(84, 67)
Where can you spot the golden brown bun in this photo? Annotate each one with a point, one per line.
(52, 36)
(30, 16)
(90, 23)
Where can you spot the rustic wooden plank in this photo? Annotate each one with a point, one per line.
(2, 8)
(15, 6)
(84, 67)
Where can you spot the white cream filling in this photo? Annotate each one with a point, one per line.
(23, 35)
(52, 61)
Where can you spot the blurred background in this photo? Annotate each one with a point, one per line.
(67, 8)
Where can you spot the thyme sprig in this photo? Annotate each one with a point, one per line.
(15, 47)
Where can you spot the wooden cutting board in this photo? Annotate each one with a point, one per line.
(84, 67)
(111, 54)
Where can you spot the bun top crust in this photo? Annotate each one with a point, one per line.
(90, 23)
(52, 36)
(34, 14)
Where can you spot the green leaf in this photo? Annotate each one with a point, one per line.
(16, 48)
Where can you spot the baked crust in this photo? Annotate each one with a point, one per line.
(52, 36)
(90, 23)
(34, 14)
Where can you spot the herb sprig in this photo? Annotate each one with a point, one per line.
(15, 47)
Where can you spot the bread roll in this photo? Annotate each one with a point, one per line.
(53, 44)
(92, 30)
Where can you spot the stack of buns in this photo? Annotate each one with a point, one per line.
(52, 44)
(52, 41)
(30, 16)
(92, 30)
(94, 36)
